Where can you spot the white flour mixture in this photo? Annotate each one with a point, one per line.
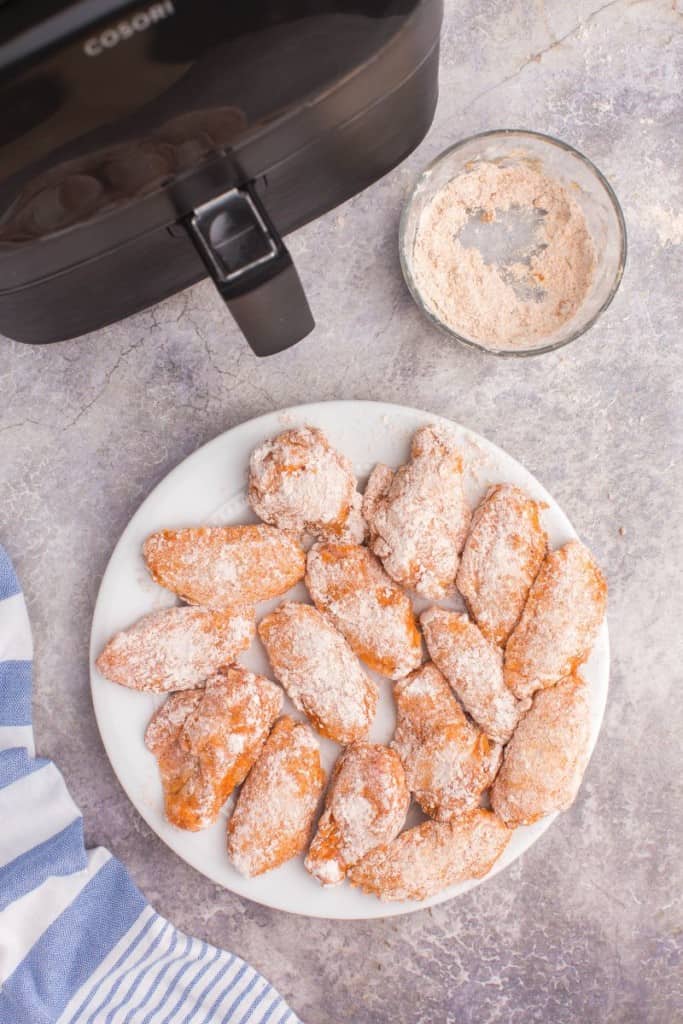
(503, 255)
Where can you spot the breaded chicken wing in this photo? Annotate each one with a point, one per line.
(418, 517)
(299, 482)
(319, 671)
(545, 760)
(563, 612)
(448, 760)
(501, 558)
(474, 668)
(426, 859)
(219, 566)
(348, 583)
(366, 804)
(176, 648)
(206, 742)
(274, 813)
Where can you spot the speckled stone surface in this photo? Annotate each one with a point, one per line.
(587, 926)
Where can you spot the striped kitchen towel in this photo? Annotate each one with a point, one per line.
(79, 944)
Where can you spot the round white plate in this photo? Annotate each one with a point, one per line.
(209, 487)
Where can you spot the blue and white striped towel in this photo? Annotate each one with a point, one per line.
(79, 944)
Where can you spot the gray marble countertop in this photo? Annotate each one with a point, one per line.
(586, 927)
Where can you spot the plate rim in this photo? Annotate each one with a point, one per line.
(298, 413)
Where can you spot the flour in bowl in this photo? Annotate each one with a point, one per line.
(503, 255)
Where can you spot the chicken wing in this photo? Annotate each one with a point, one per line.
(545, 760)
(176, 648)
(418, 517)
(319, 671)
(474, 668)
(426, 859)
(206, 741)
(348, 583)
(448, 760)
(366, 804)
(501, 558)
(299, 482)
(219, 566)
(561, 617)
(274, 813)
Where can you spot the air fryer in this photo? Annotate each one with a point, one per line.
(145, 147)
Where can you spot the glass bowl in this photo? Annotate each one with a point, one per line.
(588, 187)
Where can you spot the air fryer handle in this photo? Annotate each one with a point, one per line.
(252, 270)
(270, 306)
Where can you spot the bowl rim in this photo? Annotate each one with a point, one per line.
(470, 342)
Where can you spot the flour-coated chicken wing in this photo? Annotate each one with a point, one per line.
(274, 814)
(348, 583)
(545, 760)
(206, 742)
(560, 621)
(365, 805)
(299, 482)
(474, 668)
(448, 760)
(219, 566)
(319, 671)
(501, 558)
(418, 516)
(176, 648)
(428, 858)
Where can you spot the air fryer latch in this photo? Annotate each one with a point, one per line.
(252, 270)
